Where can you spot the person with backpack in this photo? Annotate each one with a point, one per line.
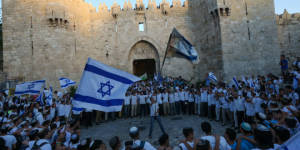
(42, 143)
(135, 136)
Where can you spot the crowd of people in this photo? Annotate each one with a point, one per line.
(264, 110)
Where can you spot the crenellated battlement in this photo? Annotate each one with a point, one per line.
(286, 18)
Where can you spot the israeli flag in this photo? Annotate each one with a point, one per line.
(49, 97)
(236, 83)
(31, 88)
(292, 144)
(212, 77)
(65, 82)
(102, 87)
(40, 98)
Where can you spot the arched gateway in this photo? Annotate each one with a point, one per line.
(144, 58)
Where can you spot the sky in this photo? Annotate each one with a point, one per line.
(292, 6)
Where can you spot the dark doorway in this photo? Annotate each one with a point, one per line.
(140, 66)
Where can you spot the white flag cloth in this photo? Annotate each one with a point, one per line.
(292, 144)
(102, 87)
(31, 88)
(65, 82)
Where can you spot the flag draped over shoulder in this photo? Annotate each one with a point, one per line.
(65, 82)
(180, 47)
(102, 87)
(31, 88)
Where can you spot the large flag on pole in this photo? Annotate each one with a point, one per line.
(102, 87)
(65, 82)
(31, 88)
(180, 47)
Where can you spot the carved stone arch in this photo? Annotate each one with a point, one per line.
(143, 51)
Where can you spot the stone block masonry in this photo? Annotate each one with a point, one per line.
(48, 39)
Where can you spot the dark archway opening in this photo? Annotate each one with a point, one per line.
(141, 66)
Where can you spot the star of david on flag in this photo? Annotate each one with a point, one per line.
(102, 87)
(105, 88)
(65, 82)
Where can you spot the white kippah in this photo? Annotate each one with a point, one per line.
(133, 129)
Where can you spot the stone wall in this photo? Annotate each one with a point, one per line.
(249, 37)
(53, 38)
(289, 34)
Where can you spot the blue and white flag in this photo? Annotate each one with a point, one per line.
(40, 98)
(49, 97)
(236, 83)
(102, 87)
(212, 77)
(179, 45)
(292, 144)
(65, 82)
(31, 88)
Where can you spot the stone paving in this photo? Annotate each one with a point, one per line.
(172, 124)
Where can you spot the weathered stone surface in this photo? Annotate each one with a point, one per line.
(289, 34)
(53, 38)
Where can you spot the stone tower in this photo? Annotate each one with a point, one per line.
(248, 34)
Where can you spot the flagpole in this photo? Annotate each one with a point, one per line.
(168, 46)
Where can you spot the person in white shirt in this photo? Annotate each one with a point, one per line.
(154, 114)
(189, 139)
(204, 102)
(160, 103)
(225, 108)
(43, 143)
(211, 104)
(10, 140)
(257, 101)
(126, 109)
(166, 106)
(197, 102)
(240, 108)
(177, 102)
(172, 102)
(206, 128)
(142, 102)
(135, 136)
(250, 110)
(134, 100)
(181, 97)
(68, 108)
(191, 102)
(218, 106)
(61, 110)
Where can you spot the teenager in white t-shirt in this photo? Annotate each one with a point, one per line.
(250, 110)
(172, 102)
(134, 100)
(189, 139)
(166, 106)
